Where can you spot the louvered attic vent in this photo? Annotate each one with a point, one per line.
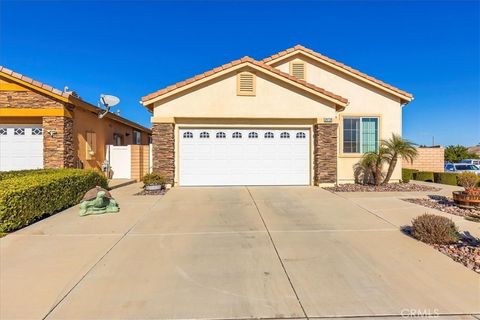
(246, 84)
(297, 69)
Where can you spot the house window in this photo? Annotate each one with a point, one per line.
(187, 135)
(90, 145)
(300, 135)
(245, 84)
(117, 139)
(253, 135)
(204, 135)
(269, 135)
(360, 134)
(237, 135)
(221, 135)
(284, 135)
(137, 137)
(297, 69)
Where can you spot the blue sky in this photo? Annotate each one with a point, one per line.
(130, 49)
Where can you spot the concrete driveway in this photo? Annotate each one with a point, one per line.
(230, 253)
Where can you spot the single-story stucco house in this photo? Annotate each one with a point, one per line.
(44, 127)
(295, 118)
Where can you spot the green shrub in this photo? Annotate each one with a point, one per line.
(423, 176)
(434, 229)
(153, 179)
(20, 173)
(407, 174)
(445, 178)
(27, 198)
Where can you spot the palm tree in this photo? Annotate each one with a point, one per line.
(372, 164)
(397, 147)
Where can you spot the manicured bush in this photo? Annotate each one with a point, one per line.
(423, 176)
(445, 178)
(27, 198)
(434, 229)
(153, 179)
(468, 180)
(407, 174)
(20, 173)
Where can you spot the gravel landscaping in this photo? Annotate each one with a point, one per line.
(151, 193)
(443, 204)
(391, 187)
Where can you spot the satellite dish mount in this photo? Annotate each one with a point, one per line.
(107, 101)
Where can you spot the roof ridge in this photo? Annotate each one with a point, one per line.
(232, 64)
(337, 63)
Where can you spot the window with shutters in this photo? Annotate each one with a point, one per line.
(90, 145)
(246, 84)
(297, 69)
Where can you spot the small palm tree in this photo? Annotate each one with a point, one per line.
(372, 162)
(396, 147)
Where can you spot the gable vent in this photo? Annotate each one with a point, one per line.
(297, 69)
(246, 84)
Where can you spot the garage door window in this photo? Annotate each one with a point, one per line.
(221, 135)
(3, 131)
(253, 135)
(284, 135)
(37, 131)
(204, 135)
(188, 135)
(19, 132)
(269, 135)
(236, 135)
(300, 135)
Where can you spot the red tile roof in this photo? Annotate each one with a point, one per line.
(338, 64)
(212, 72)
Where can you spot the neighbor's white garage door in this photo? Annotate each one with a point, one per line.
(21, 147)
(218, 157)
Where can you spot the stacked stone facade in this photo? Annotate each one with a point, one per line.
(325, 153)
(163, 150)
(28, 99)
(58, 144)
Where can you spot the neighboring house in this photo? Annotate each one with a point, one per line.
(43, 127)
(295, 118)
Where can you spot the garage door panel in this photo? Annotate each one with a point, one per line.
(244, 157)
(21, 147)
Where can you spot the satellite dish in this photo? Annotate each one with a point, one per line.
(108, 101)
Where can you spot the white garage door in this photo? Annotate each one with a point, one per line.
(21, 147)
(218, 157)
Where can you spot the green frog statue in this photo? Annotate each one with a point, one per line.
(98, 201)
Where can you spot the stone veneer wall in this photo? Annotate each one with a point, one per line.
(58, 148)
(325, 153)
(163, 150)
(27, 99)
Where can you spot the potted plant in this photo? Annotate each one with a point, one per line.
(471, 196)
(153, 181)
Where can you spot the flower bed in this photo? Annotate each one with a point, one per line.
(391, 187)
(444, 204)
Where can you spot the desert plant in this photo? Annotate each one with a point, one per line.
(153, 179)
(424, 176)
(433, 229)
(372, 162)
(396, 147)
(407, 174)
(468, 180)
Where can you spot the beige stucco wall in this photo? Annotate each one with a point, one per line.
(363, 100)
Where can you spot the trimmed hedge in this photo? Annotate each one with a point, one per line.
(20, 173)
(424, 176)
(445, 178)
(407, 174)
(25, 198)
